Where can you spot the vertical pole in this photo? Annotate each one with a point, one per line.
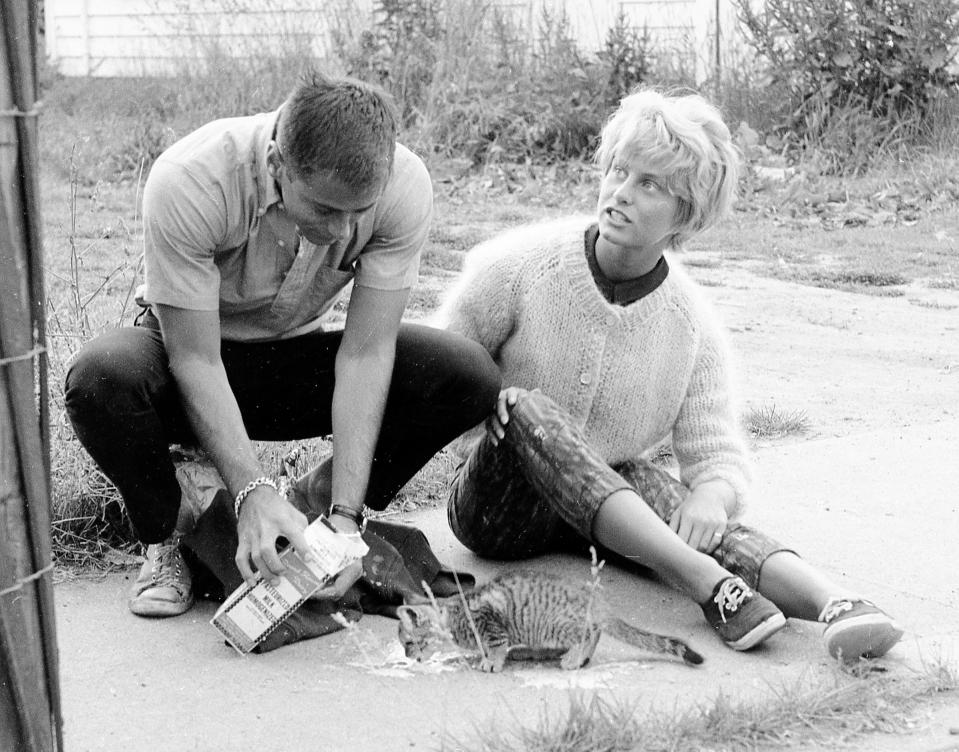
(718, 38)
(85, 36)
(30, 716)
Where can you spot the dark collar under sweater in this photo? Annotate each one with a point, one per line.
(622, 293)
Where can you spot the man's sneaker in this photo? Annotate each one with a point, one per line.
(164, 586)
(857, 629)
(742, 617)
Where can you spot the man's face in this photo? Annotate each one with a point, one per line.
(323, 207)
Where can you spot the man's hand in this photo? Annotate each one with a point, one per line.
(496, 423)
(266, 516)
(701, 519)
(343, 582)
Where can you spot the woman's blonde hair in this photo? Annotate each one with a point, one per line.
(683, 137)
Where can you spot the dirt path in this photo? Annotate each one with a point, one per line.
(851, 362)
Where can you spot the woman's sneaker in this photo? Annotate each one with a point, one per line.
(857, 629)
(742, 617)
(164, 586)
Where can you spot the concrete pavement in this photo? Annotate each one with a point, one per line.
(879, 511)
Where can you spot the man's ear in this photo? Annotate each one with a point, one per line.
(273, 162)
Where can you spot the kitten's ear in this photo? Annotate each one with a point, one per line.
(408, 616)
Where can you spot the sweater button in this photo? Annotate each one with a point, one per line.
(584, 379)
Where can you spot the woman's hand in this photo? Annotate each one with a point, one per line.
(702, 518)
(496, 424)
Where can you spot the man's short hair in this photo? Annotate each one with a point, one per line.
(683, 137)
(341, 125)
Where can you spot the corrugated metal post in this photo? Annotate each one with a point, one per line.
(30, 716)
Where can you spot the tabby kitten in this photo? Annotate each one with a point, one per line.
(527, 616)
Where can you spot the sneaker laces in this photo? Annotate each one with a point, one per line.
(732, 593)
(837, 606)
(168, 564)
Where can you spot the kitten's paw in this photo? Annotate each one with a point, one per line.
(490, 666)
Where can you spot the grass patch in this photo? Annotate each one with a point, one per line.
(848, 280)
(833, 710)
(770, 422)
(933, 304)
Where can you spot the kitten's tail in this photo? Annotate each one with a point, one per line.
(650, 641)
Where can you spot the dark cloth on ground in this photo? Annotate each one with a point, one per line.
(398, 564)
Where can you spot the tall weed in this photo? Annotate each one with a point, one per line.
(858, 78)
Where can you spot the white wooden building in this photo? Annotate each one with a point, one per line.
(137, 37)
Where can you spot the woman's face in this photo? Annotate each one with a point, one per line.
(636, 210)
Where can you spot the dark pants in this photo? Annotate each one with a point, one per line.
(539, 490)
(126, 409)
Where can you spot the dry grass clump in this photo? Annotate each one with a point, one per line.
(830, 711)
(772, 422)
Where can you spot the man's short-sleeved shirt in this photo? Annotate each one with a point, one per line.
(217, 237)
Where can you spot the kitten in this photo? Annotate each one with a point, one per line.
(527, 616)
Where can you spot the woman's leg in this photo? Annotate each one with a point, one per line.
(854, 628)
(626, 525)
(495, 513)
(596, 501)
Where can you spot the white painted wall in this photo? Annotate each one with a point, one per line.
(135, 37)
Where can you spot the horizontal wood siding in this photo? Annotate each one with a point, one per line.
(134, 37)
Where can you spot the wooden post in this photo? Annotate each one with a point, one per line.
(30, 716)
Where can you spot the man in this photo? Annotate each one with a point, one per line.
(253, 227)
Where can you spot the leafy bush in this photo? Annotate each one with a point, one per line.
(858, 76)
(472, 84)
(627, 54)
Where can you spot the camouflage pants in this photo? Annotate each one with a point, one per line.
(540, 489)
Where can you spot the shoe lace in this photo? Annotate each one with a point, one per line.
(731, 595)
(838, 606)
(168, 563)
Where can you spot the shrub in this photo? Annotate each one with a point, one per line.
(858, 76)
(474, 83)
(628, 56)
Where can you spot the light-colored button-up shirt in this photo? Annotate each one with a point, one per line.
(217, 237)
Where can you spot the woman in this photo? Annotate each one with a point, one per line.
(607, 350)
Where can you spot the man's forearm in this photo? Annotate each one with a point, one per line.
(215, 418)
(359, 400)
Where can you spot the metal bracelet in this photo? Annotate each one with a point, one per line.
(248, 489)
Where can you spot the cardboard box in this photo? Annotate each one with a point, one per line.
(251, 612)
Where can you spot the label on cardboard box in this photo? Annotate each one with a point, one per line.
(253, 611)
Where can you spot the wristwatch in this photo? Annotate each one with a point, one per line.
(351, 514)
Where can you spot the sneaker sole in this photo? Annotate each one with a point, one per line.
(159, 609)
(868, 636)
(759, 633)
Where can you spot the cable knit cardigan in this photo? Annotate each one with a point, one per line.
(630, 376)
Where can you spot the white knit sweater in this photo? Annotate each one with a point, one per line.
(629, 375)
